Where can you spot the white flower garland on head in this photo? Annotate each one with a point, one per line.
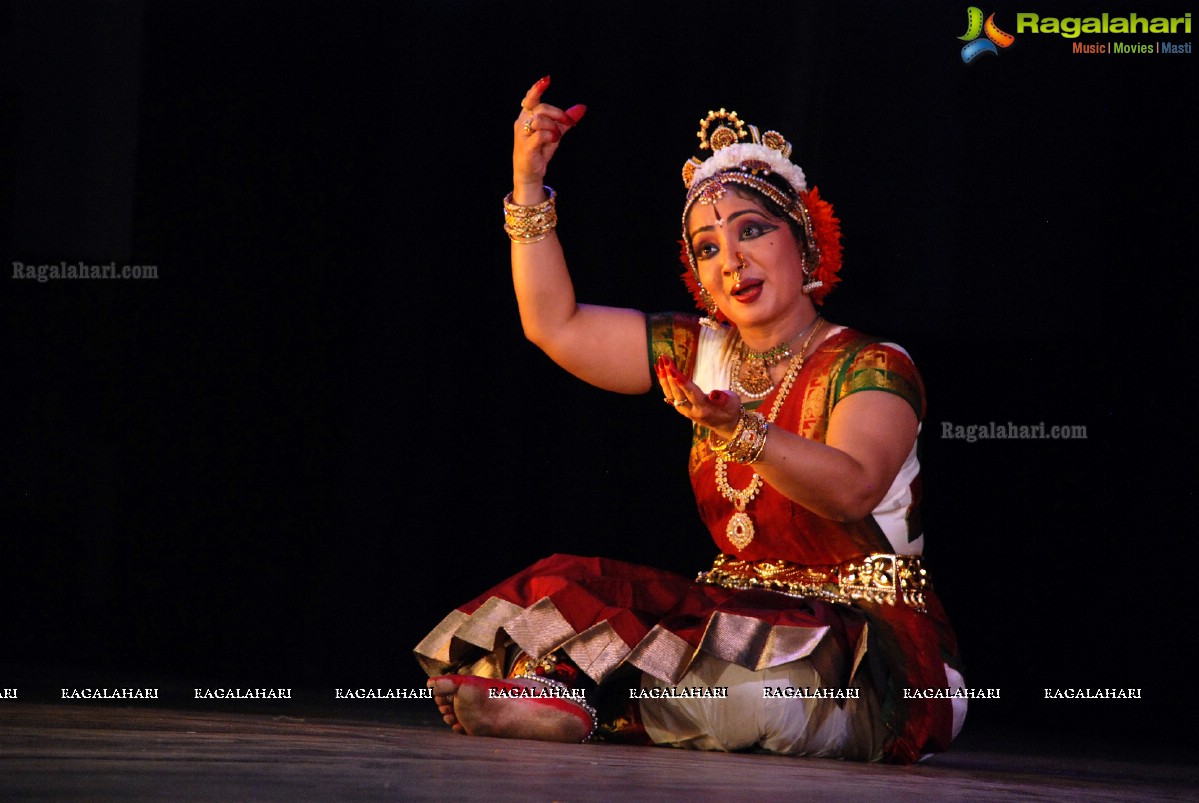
(732, 156)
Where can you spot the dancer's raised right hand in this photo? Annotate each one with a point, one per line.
(536, 133)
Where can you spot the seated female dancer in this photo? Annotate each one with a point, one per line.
(816, 631)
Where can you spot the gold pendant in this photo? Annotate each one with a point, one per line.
(755, 378)
(740, 530)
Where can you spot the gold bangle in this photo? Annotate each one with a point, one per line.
(750, 439)
(532, 209)
(533, 223)
(760, 444)
(720, 445)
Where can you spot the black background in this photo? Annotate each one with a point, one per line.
(320, 428)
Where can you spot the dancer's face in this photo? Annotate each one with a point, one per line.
(748, 259)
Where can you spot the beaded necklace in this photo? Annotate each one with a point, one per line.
(740, 530)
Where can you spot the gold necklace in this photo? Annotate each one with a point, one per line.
(756, 382)
(740, 529)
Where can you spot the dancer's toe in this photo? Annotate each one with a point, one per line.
(443, 697)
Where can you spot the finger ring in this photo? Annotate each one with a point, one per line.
(681, 402)
(529, 125)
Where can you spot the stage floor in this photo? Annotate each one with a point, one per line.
(108, 753)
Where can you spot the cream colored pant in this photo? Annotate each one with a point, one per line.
(749, 718)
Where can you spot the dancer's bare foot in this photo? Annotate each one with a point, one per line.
(479, 707)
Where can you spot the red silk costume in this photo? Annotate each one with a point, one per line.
(607, 614)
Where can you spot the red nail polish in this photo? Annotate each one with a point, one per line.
(542, 84)
(717, 396)
(575, 113)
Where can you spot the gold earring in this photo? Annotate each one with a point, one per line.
(810, 283)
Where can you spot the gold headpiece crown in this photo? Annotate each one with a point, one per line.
(730, 130)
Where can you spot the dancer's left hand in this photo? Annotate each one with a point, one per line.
(719, 410)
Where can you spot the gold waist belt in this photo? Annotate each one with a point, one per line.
(881, 578)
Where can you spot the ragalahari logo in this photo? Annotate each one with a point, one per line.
(976, 43)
